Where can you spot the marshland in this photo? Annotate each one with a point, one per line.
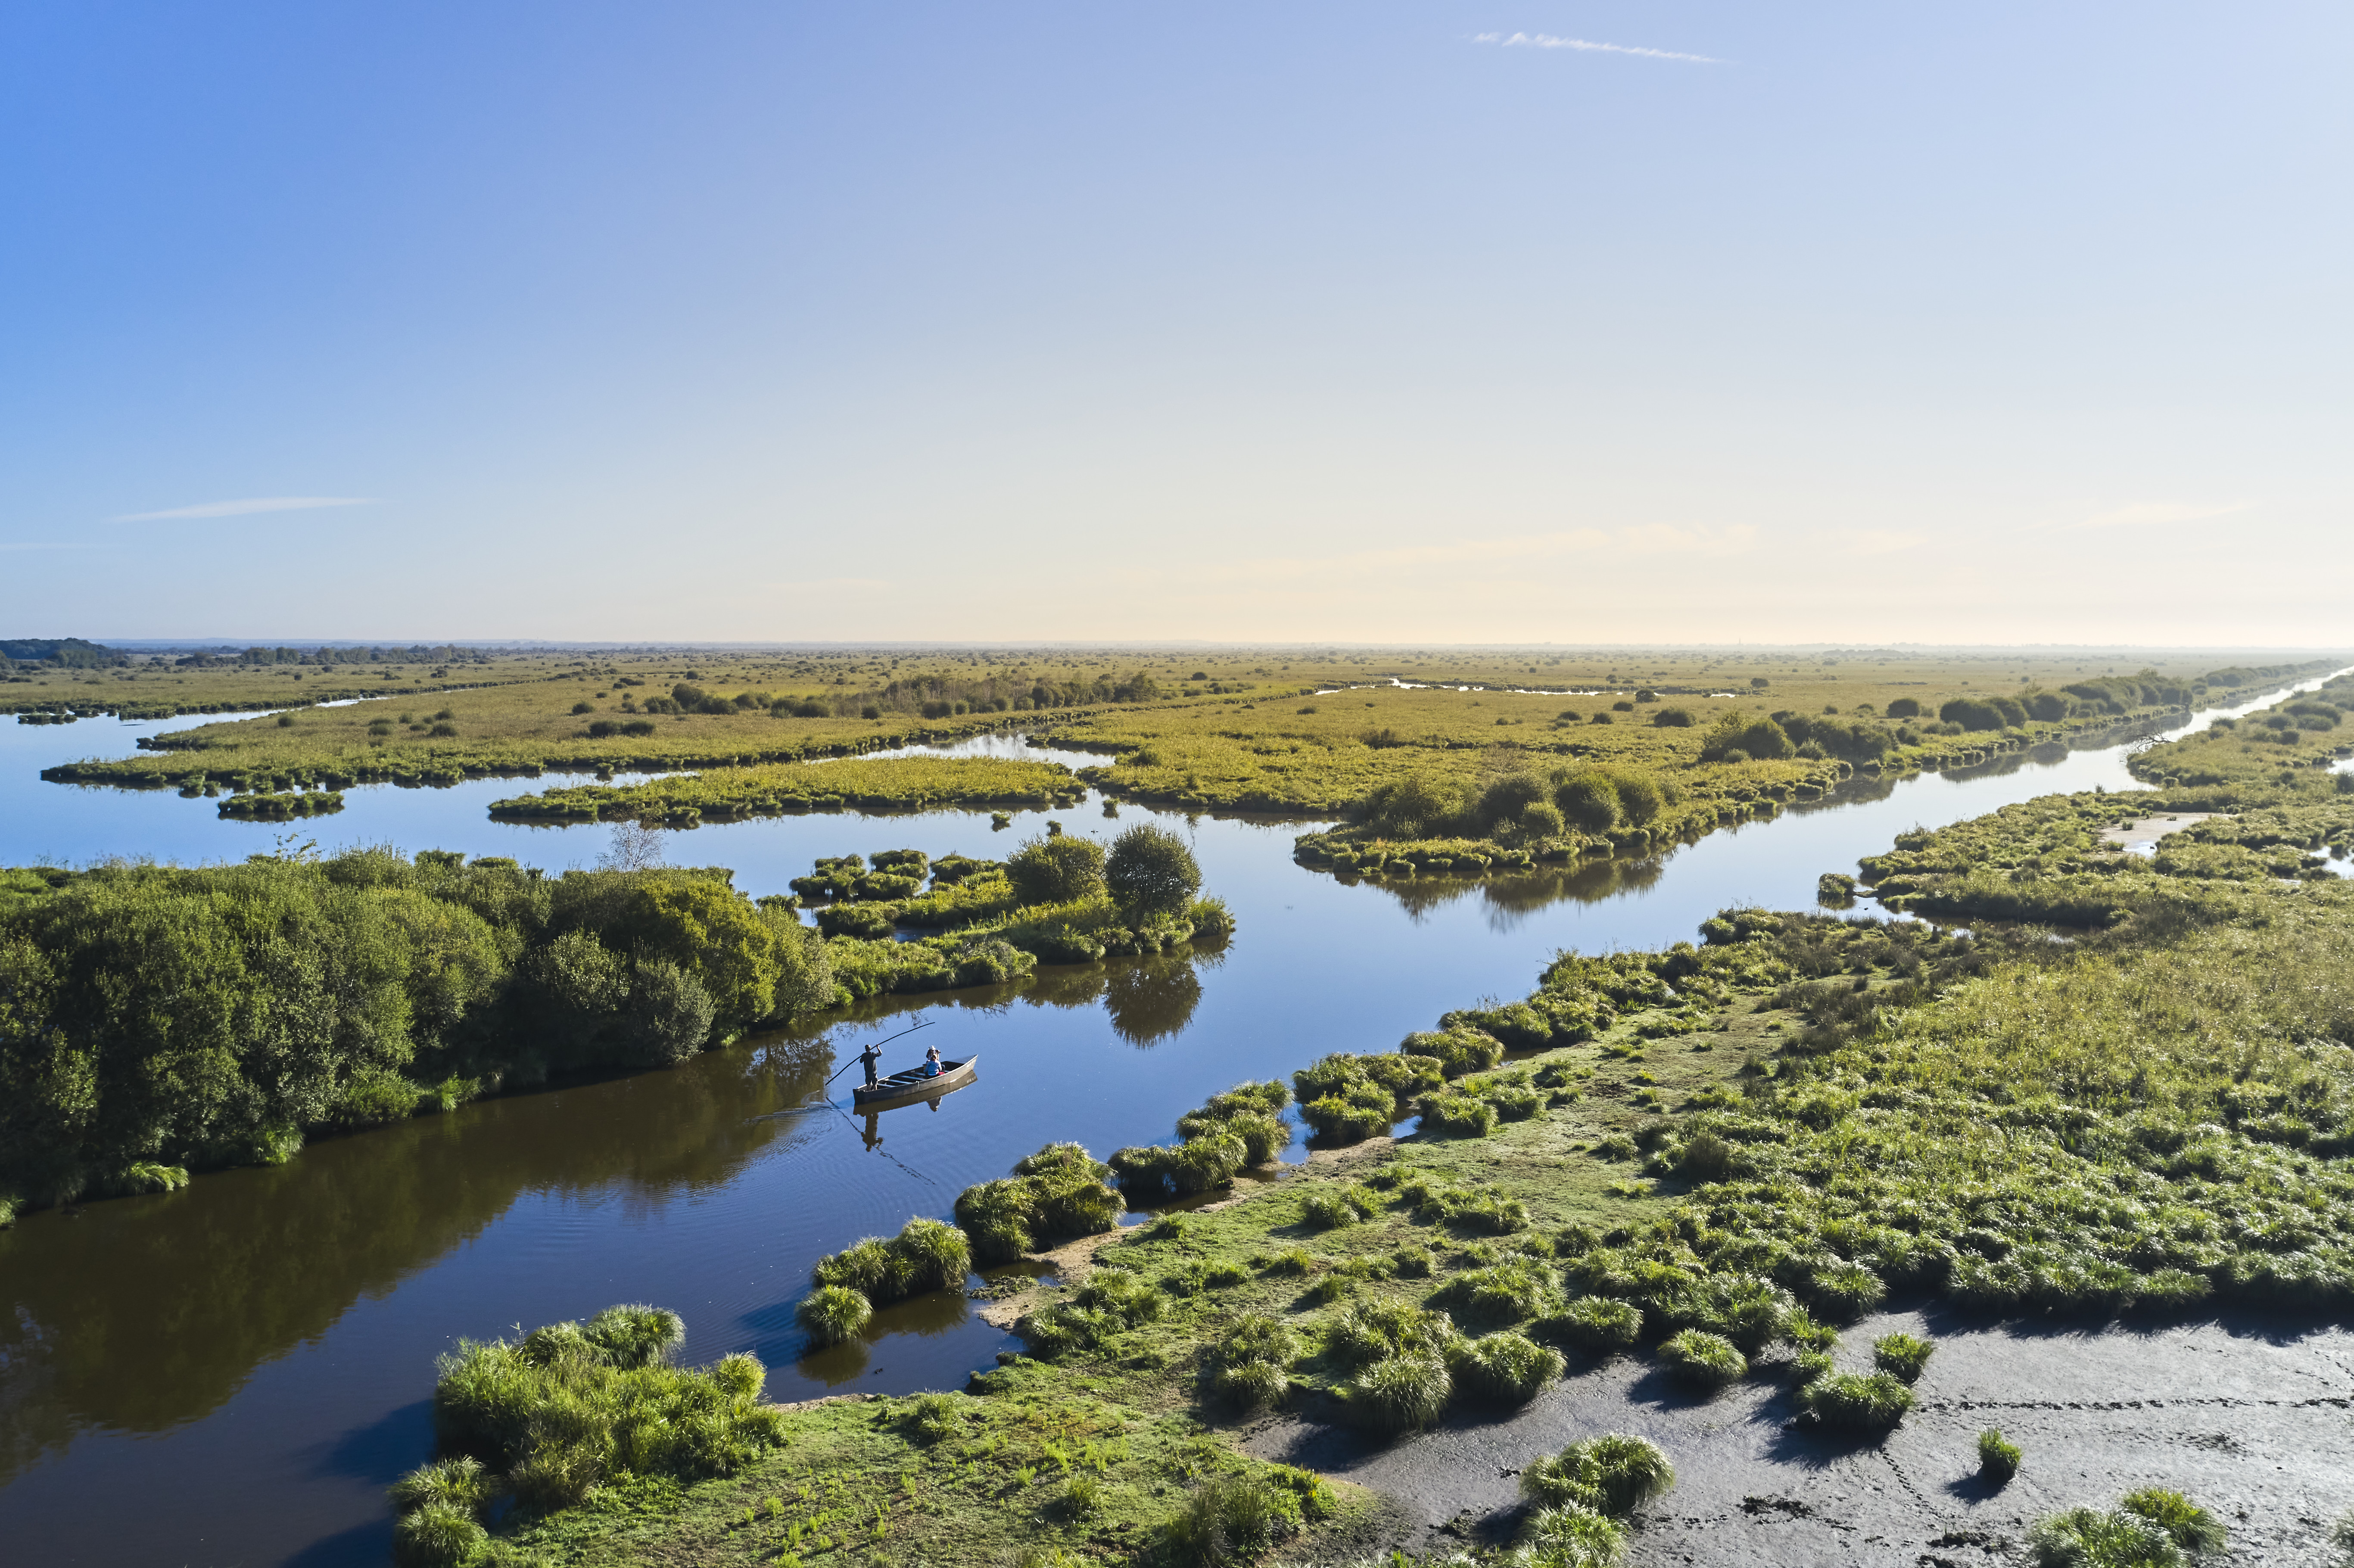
(1610, 1134)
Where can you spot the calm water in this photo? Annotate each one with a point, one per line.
(231, 1375)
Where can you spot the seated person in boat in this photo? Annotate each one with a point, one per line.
(931, 1068)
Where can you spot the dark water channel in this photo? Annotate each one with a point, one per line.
(231, 1375)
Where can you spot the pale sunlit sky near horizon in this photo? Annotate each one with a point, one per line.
(1455, 321)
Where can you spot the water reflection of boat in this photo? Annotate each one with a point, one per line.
(907, 1088)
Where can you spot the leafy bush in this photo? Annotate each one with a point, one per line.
(1902, 1356)
(1504, 1368)
(1703, 1359)
(1057, 869)
(1151, 871)
(1855, 1403)
(1997, 1458)
(1363, 1333)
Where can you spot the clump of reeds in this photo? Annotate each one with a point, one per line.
(1703, 1359)
(1112, 1301)
(1053, 1195)
(2100, 1538)
(1399, 1392)
(832, 1313)
(1997, 1458)
(1229, 1519)
(1595, 1323)
(1342, 1206)
(1570, 1535)
(1456, 1115)
(1504, 1368)
(1508, 1292)
(2190, 1527)
(936, 1417)
(1855, 1402)
(560, 1411)
(1903, 1356)
(1249, 1365)
(1614, 1475)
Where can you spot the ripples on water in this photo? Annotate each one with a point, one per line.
(233, 1373)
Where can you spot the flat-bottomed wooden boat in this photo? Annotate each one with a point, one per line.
(907, 1088)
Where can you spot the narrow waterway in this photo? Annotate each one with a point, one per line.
(231, 1375)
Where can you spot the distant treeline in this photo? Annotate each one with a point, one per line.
(65, 652)
(155, 1019)
(222, 657)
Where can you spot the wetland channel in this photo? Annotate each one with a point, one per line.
(233, 1373)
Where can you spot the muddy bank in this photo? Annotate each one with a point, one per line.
(2254, 1418)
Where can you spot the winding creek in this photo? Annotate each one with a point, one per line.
(232, 1374)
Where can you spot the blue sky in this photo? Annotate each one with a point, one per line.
(1378, 322)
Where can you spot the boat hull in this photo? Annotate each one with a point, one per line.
(905, 1089)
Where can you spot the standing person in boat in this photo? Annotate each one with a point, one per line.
(872, 1055)
(931, 1068)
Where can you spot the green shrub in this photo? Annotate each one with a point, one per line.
(1902, 1356)
(832, 1313)
(1411, 1262)
(2093, 1537)
(1854, 1402)
(2193, 1528)
(1056, 869)
(936, 1417)
(1504, 1368)
(1595, 1323)
(1997, 1458)
(1151, 871)
(1399, 1393)
(1614, 1475)
(1247, 1366)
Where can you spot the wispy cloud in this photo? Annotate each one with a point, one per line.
(1587, 46)
(2147, 514)
(247, 507)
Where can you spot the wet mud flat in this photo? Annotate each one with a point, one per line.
(2252, 1417)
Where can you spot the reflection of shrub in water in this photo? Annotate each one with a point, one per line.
(1153, 998)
